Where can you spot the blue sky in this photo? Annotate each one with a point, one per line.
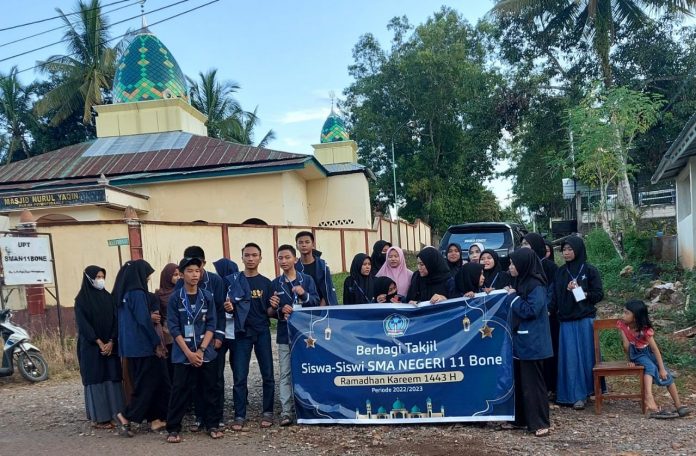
(286, 55)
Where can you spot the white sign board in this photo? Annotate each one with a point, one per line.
(26, 260)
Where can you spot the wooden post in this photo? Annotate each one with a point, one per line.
(275, 250)
(343, 251)
(135, 239)
(225, 241)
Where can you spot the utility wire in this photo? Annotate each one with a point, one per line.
(59, 16)
(119, 37)
(63, 26)
(101, 29)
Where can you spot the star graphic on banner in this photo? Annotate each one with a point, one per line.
(486, 331)
(310, 341)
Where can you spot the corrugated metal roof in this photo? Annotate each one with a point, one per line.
(677, 156)
(73, 162)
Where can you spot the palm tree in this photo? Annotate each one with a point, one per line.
(240, 128)
(87, 70)
(15, 116)
(214, 98)
(596, 20)
(226, 118)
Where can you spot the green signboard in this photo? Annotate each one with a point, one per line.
(117, 242)
(34, 200)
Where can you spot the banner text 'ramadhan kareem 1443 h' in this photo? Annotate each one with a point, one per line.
(385, 363)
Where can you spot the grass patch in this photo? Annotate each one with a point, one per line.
(62, 361)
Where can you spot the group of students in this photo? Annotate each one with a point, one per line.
(552, 312)
(167, 349)
(170, 346)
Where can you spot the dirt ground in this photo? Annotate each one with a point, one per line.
(49, 418)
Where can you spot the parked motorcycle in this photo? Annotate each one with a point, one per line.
(17, 349)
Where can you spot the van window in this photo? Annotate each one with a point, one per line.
(490, 240)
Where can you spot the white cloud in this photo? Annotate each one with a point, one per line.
(305, 115)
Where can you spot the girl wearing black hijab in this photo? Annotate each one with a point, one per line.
(454, 258)
(386, 291)
(433, 281)
(531, 342)
(141, 345)
(538, 245)
(576, 292)
(549, 251)
(379, 255)
(469, 280)
(495, 277)
(100, 366)
(359, 286)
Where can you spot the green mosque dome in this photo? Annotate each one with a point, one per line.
(398, 405)
(381, 410)
(334, 129)
(148, 71)
(415, 409)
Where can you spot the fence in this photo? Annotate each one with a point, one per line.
(78, 244)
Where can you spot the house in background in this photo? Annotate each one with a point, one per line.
(679, 163)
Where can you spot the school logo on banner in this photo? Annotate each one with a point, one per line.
(399, 363)
(395, 325)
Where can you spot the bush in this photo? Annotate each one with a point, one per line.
(637, 245)
(599, 247)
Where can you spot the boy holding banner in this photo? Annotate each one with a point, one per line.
(290, 288)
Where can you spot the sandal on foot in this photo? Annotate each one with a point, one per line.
(266, 423)
(158, 426)
(579, 405)
(215, 433)
(285, 421)
(124, 429)
(683, 411)
(106, 425)
(541, 432)
(663, 415)
(239, 426)
(173, 437)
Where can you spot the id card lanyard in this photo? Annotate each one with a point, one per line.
(362, 292)
(191, 316)
(578, 292)
(291, 292)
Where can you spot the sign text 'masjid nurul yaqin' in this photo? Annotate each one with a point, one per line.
(52, 199)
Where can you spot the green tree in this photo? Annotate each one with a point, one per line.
(435, 78)
(593, 20)
(87, 71)
(604, 127)
(15, 117)
(226, 118)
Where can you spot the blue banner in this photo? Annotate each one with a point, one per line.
(402, 363)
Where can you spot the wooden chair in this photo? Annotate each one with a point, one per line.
(613, 369)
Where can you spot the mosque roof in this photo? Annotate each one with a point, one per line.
(334, 129)
(398, 405)
(148, 71)
(147, 153)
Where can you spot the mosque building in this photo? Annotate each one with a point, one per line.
(154, 182)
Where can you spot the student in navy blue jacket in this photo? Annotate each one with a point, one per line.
(314, 266)
(290, 288)
(140, 344)
(531, 341)
(212, 283)
(191, 318)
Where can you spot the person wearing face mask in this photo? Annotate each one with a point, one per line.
(100, 365)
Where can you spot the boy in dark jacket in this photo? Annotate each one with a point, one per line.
(314, 266)
(191, 318)
(290, 288)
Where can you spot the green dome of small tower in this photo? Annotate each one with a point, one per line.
(148, 71)
(334, 129)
